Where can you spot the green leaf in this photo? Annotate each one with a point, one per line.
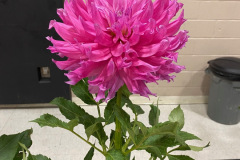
(73, 123)
(115, 155)
(166, 128)
(51, 121)
(95, 127)
(154, 145)
(38, 157)
(125, 91)
(33, 157)
(124, 119)
(187, 136)
(90, 154)
(177, 115)
(82, 92)
(111, 144)
(18, 156)
(136, 109)
(154, 115)
(179, 157)
(133, 158)
(24, 155)
(9, 144)
(181, 139)
(181, 148)
(109, 111)
(72, 111)
(198, 149)
(152, 141)
(143, 128)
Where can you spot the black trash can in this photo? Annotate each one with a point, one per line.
(224, 93)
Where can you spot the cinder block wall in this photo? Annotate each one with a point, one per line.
(214, 29)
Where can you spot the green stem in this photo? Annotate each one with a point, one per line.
(126, 145)
(118, 130)
(129, 139)
(135, 147)
(99, 112)
(164, 157)
(92, 145)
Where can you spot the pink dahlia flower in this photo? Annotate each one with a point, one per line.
(117, 42)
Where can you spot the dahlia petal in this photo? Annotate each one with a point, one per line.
(174, 8)
(147, 12)
(66, 49)
(100, 95)
(146, 51)
(99, 55)
(102, 37)
(143, 89)
(117, 42)
(172, 55)
(99, 17)
(146, 67)
(164, 19)
(105, 75)
(178, 42)
(68, 9)
(119, 5)
(63, 15)
(79, 4)
(134, 39)
(137, 6)
(159, 7)
(68, 64)
(173, 27)
(67, 32)
(117, 50)
(88, 26)
(118, 83)
(93, 89)
(73, 78)
(160, 34)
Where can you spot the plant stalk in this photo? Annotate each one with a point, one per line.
(99, 112)
(92, 145)
(118, 129)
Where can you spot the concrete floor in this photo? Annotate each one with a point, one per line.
(59, 144)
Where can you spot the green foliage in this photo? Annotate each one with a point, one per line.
(115, 155)
(125, 91)
(179, 157)
(160, 139)
(72, 111)
(94, 128)
(154, 115)
(177, 115)
(124, 119)
(90, 154)
(109, 111)
(15, 146)
(81, 91)
(30, 156)
(52, 121)
(187, 136)
(136, 109)
(198, 149)
(9, 147)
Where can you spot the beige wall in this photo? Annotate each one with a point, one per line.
(214, 29)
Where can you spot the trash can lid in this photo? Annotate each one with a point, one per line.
(226, 67)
